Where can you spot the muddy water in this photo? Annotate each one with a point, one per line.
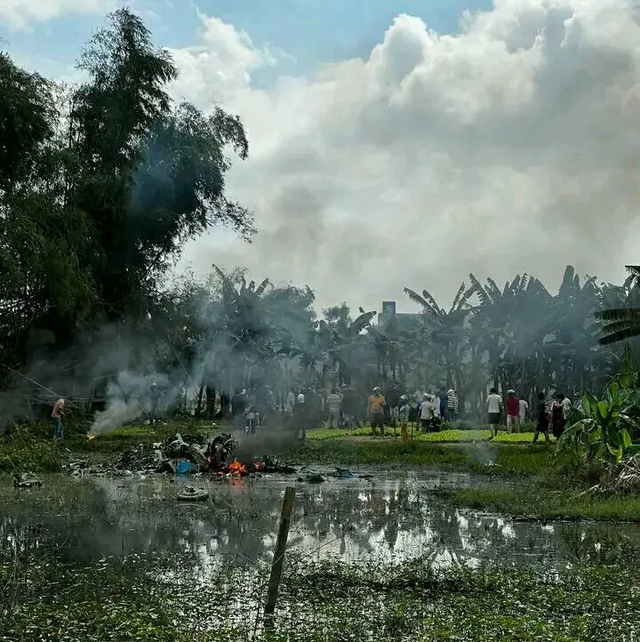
(391, 517)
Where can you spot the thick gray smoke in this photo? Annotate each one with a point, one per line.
(508, 148)
(153, 367)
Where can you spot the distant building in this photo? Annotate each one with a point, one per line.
(406, 321)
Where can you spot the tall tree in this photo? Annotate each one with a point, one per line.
(152, 176)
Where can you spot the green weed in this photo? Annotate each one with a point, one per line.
(541, 502)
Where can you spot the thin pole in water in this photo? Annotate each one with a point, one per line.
(278, 556)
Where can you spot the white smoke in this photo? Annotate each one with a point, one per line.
(509, 147)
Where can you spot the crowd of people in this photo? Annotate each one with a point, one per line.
(348, 407)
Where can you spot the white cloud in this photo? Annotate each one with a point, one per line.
(21, 14)
(511, 147)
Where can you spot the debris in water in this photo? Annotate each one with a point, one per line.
(345, 473)
(192, 494)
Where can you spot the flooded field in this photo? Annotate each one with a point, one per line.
(392, 517)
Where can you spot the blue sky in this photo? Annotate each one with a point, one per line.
(312, 31)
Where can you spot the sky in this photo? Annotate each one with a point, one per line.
(400, 143)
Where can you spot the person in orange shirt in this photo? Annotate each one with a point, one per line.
(376, 411)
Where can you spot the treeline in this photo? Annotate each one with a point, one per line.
(101, 183)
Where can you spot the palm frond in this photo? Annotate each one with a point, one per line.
(629, 332)
(361, 322)
(433, 306)
(477, 289)
(567, 284)
(494, 291)
(262, 287)
(626, 315)
(459, 300)
(415, 297)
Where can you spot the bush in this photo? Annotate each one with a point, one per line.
(23, 451)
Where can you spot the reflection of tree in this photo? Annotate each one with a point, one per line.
(96, 518)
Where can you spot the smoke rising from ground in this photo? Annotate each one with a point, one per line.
(510, 148)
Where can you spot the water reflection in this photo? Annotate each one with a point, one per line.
(387, 519)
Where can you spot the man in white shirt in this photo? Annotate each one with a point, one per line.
(494, 410)
(524, 406)
(426, 413)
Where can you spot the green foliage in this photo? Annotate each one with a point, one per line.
(507, 458)
(100, 186)
(599, 433)
(327, 600)
(24, 453)
(563, 503)
(447, 435)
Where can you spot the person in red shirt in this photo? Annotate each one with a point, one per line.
(513, 411)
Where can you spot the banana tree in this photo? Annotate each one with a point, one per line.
(623, 320)
(447, 330)
(600, 433)
(498, 310)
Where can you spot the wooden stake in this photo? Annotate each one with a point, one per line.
(278, 556)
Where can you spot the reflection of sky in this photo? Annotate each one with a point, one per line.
(390, 519)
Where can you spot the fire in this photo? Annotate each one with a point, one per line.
(91, 437)
(237, 467)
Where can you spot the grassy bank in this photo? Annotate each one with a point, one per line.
(32, 448)
(544, 503)
(136, 600)
(493, 458)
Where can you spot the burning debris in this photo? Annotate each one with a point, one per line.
(183, 455)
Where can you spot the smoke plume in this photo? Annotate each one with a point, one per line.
(510, 147)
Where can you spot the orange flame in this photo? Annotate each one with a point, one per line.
(91, 437)
(237, 468)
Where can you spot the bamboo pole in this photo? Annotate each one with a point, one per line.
(278, 556)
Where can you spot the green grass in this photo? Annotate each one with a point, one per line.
(452, 435)
(544, 503)
(508, 458)
(128, 600)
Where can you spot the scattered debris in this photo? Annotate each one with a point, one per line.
(184, 455)
(626, 479)
(191, 494)
(313, 477)
(345, 473)
(25, 481)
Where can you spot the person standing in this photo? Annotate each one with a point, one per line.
(494, 408)
(404, 413)
(376, 411)
(333, 404)
(238, 408)
(301, 416)
(426, 413)
(513, 411)
(558, 420)
(452, 405)
(393, 401)
(155, 393)
(442, 403)
(524, 407)
(542, 423)
(57, 415)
